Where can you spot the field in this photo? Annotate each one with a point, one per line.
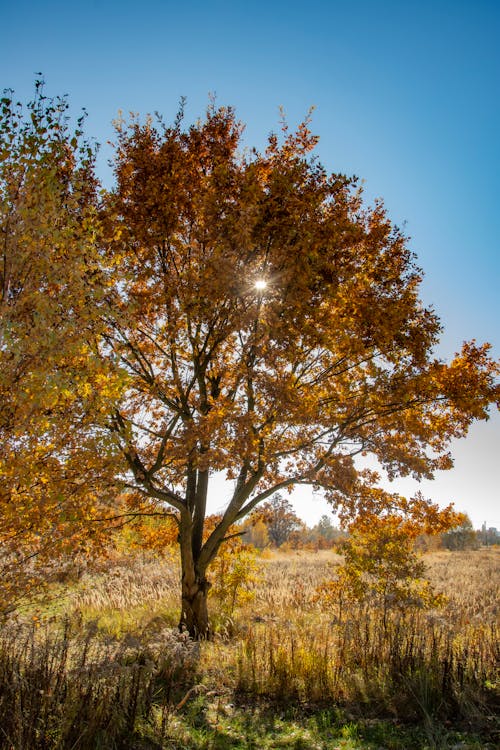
(101, 664)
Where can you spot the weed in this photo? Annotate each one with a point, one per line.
(71, 689)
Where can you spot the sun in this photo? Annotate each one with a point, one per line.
(260, 284)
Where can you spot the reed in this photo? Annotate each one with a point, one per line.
(410, 664)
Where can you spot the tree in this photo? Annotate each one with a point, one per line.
(461, 536)
(271, 328)
(218, 310)
(381, 566)
(53, 381)
(280, 519)
(325, 529)
(256, 533)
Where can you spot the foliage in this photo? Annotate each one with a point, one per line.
(381, 565)
(57, 468)
(233, 576)
(324, 535)
(326, 529)
(461, 537)
(282, 382)
(255, 532)
(146, 529)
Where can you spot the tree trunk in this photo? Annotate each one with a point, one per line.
(194, 612)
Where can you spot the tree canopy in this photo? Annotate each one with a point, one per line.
(280, 518)
(272, 329)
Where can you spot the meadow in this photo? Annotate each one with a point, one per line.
(101, 664)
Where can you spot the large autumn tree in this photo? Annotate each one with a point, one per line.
(271, 328)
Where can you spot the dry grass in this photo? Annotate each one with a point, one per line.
(289, 581)
(284, 647)
(470, 579)
(128, 582)
(129, 596)
(418, 665)
(67, 688)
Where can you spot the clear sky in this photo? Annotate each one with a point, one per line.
(407, 97)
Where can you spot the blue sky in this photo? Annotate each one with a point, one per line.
(407, 97)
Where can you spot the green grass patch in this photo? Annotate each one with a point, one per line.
(217, 725)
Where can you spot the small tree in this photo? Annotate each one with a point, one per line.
(381, 566)
(233, 575)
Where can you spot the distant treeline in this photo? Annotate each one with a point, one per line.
(277, 525)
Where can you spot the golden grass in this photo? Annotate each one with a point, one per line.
(415, 664)
(284, 646)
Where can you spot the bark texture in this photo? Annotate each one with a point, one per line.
(194, 612)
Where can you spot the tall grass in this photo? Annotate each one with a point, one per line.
(412, 665)
(71, 688)
(130, 581)
(116, 669)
